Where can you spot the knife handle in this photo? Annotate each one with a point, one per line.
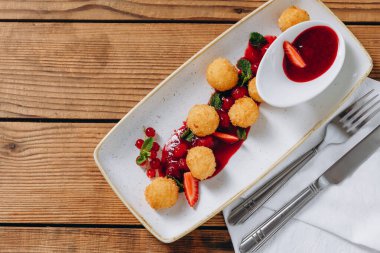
(245, 209)
(254, 240)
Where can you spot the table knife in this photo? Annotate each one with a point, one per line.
(340, 170)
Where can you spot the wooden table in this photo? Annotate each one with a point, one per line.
(69, 71)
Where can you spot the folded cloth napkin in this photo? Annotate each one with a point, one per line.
(343, 218)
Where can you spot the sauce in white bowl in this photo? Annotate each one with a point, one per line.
(281, 84)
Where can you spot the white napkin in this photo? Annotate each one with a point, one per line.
(343, 218)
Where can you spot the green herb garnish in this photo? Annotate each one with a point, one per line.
(179, 184)
(216, 100)
(140, 159)
(246, 72)
(187, 135)
(257, 40)
(145, 150)
(241, 133)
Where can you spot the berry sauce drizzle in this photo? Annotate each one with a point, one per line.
(318, 47)
(173, 166)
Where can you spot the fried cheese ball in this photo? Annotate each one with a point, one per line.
(201, 162)
(222, 75)
(252, 91)
(244, 112)
(161, 193)
(292, 16)
(202, 120)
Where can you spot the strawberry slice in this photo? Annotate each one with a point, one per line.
(293, 55)
(270, 38)
(191, 187)
(226, 137)
(252, 54)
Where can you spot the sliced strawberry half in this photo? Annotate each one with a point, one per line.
(191, 188)
(252, 54)
(270, 38)
(226, 137)
(293, 55)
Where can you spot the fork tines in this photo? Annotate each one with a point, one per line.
(359, 113)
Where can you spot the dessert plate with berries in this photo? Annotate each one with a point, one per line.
(204, 136)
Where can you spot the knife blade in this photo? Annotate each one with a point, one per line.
(335, 174)
(352, 160)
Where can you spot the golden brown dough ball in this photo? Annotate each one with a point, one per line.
(252, 90)
(201, 162)
(161, 193)
(292, 16)
(202, 120)
(222, 75)
(244, 112)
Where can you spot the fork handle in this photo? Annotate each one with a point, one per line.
(254, 240)
(245, 209)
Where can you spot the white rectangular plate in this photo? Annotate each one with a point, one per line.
(277, 132)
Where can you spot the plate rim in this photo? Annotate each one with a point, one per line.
(263, 174)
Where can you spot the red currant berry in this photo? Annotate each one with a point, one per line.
(139, 143)
(239, 92)
(224, 119)
(182, 164)
(151, 173)
(153, 154)
(207, 141)
(150, 132)
(143, 164)
(155, 146)
(180, 150)
(155, 164)
(227, 103)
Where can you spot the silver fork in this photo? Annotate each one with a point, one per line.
(349, 121)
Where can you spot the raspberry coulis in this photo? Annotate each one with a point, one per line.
(222, 151)
(318, 47)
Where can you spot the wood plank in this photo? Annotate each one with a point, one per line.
(347, 10)
(61, 239)
(48, 175)
(71, 70)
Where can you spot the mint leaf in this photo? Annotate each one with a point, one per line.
(190, 137)
(241, 133)
(179, 184)
(141, 159)
(144, 153)
(246, 72)
(245, 66)
(216, 101)
(257, 40)
(148, 144)
(187, 135)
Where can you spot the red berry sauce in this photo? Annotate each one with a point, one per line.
(318, 47)
(173, 159)
(222, 151)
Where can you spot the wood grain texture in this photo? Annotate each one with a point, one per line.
(100, 71)
(48, 175)
(53, 239)
(347, 10)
